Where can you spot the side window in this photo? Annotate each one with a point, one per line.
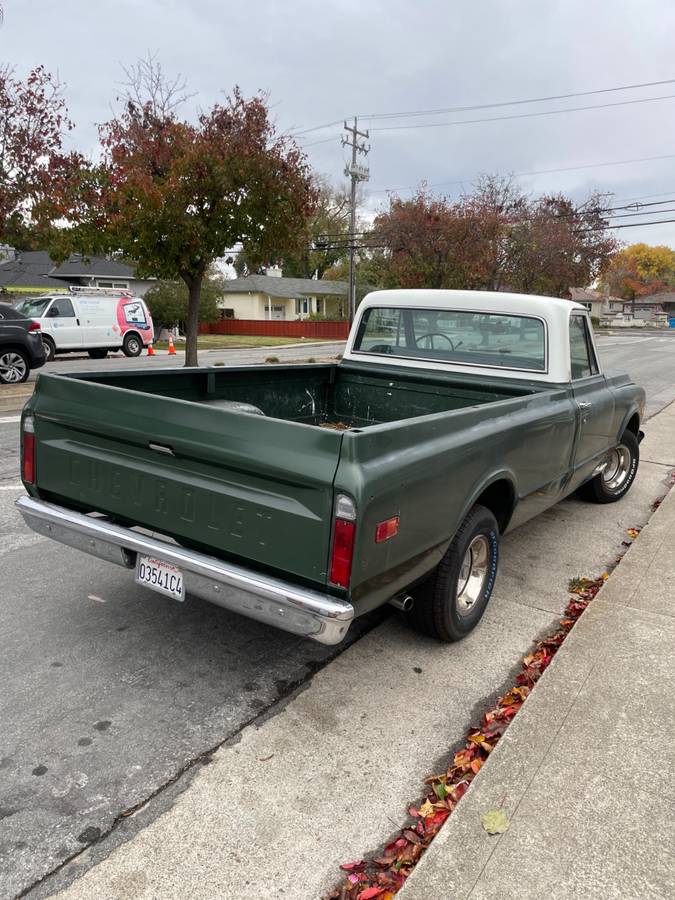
(62, 307)
(582, 357)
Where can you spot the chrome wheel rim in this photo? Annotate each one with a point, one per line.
(472, 574)
(12, 367)
(616, 471)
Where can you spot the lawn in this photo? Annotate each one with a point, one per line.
(235, 341)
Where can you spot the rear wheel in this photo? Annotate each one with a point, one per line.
(50, 348)
(98, 353)
(14, 367)
(452, 602)
(132, 345)
(619, 473)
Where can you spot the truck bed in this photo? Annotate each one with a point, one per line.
(318, 395)
(169, 450)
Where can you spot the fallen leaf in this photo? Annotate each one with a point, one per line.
(495, 821)
(350, 866)
(412, 836)
(370, 893)
(426, 809)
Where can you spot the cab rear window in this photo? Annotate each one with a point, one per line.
(455, 336)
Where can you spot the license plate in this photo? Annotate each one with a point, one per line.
(160, 576)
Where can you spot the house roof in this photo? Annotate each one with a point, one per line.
(588, 295)
(28, 270)
(289, 288)
(35, 268)
(661, 297)
(78, 266)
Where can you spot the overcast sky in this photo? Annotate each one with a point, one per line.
(324, 61)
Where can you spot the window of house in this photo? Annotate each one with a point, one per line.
(119, 285)
(582, 354)
(302, 306)
(319, 305)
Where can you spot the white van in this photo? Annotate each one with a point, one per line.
(95, 320)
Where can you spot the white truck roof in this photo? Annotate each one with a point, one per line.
(552, 311)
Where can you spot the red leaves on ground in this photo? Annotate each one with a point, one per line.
(383, 876)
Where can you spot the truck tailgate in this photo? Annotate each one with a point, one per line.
(246, 487)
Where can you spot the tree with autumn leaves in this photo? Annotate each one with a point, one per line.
(640, 270)
(493, 238)
(33, 123)
(174, 196)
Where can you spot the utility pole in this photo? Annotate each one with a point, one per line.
(356, 173)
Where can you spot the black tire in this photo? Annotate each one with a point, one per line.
(132, 345)
(50, 348)
(441, 609)
(14, 366)
(98, 353)
(615, 481)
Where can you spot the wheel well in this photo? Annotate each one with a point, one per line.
(499, 498)
(634, 424)
(15, 348)
(48, 337)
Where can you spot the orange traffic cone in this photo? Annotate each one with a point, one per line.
(172, 349)
(151, 352)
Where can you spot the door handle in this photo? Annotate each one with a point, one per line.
(583, 404)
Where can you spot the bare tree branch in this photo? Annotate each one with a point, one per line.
(146, 86)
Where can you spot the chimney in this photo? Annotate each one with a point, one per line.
(274, 271)
(7, 253)
(605, 290)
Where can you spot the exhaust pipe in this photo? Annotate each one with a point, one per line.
(404, 602)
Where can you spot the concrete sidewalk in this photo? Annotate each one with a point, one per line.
(586, 772)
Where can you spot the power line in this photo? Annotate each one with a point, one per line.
(453, 109)
(533, 115)
(495, 105)
(640, 224)
(617, 162)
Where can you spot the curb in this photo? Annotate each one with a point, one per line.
(455, 861)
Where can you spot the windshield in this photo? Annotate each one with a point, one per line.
(34, 307)
(466, 338)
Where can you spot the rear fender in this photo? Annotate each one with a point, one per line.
(482, 486)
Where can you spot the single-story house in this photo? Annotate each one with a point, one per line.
(263, 297)
(664, 299)
(599, 303)
(34, 272)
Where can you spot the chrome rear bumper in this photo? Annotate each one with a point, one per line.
(270, 600)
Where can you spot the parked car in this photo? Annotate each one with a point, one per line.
(93, 319)
(307, 495)
(21, 346)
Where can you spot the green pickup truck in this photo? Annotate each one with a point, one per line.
(305, 495)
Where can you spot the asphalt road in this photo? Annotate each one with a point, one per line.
(110, 692)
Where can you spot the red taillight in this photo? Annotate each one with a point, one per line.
(387, 529)
(34, 326)
(343, 551)
(28, 450)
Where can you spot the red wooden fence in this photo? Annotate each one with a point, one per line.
(299, 328)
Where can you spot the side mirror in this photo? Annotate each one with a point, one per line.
(53, 313)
